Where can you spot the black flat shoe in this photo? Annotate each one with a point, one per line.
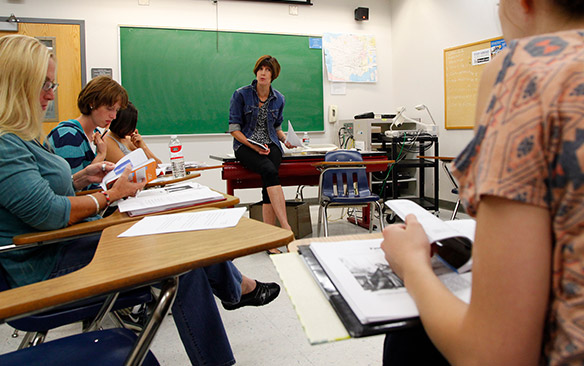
(263, 294)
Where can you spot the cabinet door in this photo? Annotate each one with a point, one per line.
(67, 43)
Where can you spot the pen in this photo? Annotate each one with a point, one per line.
(104, 133)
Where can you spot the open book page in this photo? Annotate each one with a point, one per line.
(254, 142)
(182, 194)
(435, 228)
(454, 237)
(142, 168)
(374, 292)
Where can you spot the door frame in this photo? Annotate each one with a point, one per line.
(79, 22)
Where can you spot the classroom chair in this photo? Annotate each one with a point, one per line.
(345, 186)
(105, 347)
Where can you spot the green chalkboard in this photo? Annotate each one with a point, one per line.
(182, 80)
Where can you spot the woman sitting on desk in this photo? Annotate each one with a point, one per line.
(77, 140)
(124, 138)
(522, 178)
(256, 114)
(37, 194)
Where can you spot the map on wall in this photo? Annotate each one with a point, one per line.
(350, 57)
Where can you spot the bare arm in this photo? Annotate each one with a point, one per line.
(139, 142)
(504, 322)
(113, 153)
(84, 206)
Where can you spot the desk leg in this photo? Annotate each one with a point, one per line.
(167, 295)
(230, 189)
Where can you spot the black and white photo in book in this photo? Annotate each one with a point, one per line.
(361, 274)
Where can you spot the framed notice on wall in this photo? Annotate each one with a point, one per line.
(463, 67)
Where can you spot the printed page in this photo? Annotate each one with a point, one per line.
(292, 137)
(435, 228)
(188, 221)
(366, 281)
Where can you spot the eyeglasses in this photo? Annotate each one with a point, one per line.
(49, 85)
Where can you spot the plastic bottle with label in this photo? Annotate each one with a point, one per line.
(305, 139)
(177, 158)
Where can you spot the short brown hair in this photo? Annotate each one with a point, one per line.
(269, 62)
(102, 90)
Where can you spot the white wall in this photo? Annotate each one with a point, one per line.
(103, 17)
(420, 32)
(411, 37)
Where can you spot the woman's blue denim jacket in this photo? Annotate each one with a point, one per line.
(243, 111)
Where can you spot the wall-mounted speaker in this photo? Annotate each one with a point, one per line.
(362, 14)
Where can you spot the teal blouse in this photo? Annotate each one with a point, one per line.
(34, 185)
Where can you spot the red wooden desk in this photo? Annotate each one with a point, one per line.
(295, 170)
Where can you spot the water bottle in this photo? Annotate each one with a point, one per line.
(177, 158)
(305, 139)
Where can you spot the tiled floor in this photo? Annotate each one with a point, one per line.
(269, 335)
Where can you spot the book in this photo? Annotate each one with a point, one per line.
(365, 280)
(254, 142)
(454, 238)
(172, 196)
(142, 169)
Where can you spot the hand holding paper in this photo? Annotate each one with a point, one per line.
(292, 137)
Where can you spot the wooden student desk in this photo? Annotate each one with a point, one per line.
(124, 263)
(117, 217)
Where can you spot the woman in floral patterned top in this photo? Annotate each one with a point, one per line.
(522, 178)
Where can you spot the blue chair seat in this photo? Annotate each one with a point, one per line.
(345, 186)
(106, 347)
(351, 200)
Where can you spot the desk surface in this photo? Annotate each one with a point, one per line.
(293, 247)
(122, 263)
(114, 219)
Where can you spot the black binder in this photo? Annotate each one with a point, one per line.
(343, 310)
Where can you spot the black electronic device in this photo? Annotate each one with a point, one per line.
(365, 115)
(362, 14)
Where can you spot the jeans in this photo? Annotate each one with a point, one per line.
(194, 309)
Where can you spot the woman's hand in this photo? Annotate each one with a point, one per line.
(92, 173)
(100, 144)
(289, 145)
(261, 151)
(406, 245)
(136, 139)
(123, 188)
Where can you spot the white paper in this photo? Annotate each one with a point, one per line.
(435, 228)
(363, 277)
(338, 88)
(187, 221)
(292, 137)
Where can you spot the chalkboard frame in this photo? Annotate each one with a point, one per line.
(463, 117)
(187, 100)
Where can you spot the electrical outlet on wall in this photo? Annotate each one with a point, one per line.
(144, 2)
(293, 10)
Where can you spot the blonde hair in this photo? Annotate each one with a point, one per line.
(24, 62)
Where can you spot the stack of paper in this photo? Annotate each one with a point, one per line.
(169, 197)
